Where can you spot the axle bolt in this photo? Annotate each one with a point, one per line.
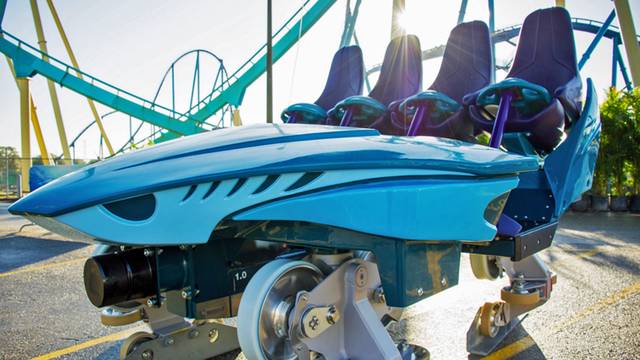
(148, 252)
(147, 355)
(519, 285)
(213, 335)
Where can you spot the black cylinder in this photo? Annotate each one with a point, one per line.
(114, 278)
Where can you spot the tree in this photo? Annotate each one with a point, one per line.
(8, 160)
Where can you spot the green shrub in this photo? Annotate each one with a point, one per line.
(618, 162)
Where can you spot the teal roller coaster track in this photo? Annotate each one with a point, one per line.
(230, 89)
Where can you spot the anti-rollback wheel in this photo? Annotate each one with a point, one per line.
(265, 305)
(131, 343)
(484, 267)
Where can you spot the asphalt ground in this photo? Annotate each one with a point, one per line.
(594, 312)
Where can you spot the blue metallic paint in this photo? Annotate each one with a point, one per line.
(191, 221)
(261, 150)
(571, 165)
(445, 210)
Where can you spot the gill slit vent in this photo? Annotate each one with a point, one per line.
(304, 180)
(270, 180)
(212, 188)
(190, 192)
(237, 186)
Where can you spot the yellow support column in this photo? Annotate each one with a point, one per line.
(628, 30)
(25, 115)
(396, 27)
(34, 120)
(38, 131)
(235, 118)
(560, 3)
(74, 62)
(52, 89)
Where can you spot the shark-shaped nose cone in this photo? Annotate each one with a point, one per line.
(49, 199)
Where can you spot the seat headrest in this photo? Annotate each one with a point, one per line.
(345, 79)
(466, 63)
(546, 53)
(401, 71)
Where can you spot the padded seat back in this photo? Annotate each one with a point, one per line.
(345, 79)
(546, 53)
(401, 72)
(466, 63)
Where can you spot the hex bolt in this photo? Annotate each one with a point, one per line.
(420, 291)
(194, 333)
(443, 281)
(148, 252)
(186, 293)
(168, 341)
(213, 335)
(519, 284)
(314, 323)
(147, 355)
(152, 301)
(378, 295)
(333, 315)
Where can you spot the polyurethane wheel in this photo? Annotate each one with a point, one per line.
(114, 317)
(484, 267)
(487, 316)
(266, 304)
(131, 343)
(520, 299)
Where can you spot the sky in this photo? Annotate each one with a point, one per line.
(132, 43)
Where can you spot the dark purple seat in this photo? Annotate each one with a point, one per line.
(544, 82)
(345, 79)
(466, 68)
(400, 77)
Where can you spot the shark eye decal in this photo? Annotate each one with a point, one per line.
(135, 209)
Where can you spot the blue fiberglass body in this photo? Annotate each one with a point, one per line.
(412, 188)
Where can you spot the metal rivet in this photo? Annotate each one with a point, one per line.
(361, 276)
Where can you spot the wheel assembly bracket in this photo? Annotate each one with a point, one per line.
(203, 341)
(340, 305)
(531, 283)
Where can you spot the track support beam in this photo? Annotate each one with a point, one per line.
(25, 135)
(42, 43)
(74, 62)
(396, 12)
(44, 154)
(629, 39)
